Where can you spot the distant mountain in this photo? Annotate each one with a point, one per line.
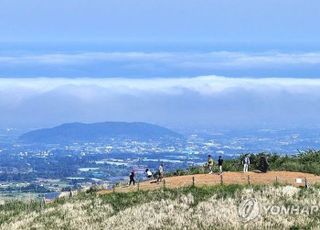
(80, 132)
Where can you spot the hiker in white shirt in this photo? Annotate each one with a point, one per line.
(246, 163)
(160, 172)
(149, 173)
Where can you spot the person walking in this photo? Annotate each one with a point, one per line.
(160, 172)
(220, 162)
(246, 163)
(132, 180)
(210, 164)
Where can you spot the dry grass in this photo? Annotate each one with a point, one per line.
(191, 208)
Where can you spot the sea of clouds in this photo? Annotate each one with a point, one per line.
(203, 101)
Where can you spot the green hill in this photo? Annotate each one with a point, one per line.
(95, 132)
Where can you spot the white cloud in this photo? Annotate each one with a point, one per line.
(75, 58)
(202, 84)
(186, 59)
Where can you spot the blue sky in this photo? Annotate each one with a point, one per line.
(226, 64)
(166, 20)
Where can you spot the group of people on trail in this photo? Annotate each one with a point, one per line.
(263, 164)
(211, 162)
(158, 175)
(148, 173)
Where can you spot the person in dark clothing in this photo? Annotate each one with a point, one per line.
(263, 164)
(132, 178)
(220, 162)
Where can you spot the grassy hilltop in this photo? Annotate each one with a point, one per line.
(184, 208)
(191, 207)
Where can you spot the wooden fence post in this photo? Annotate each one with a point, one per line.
(164, 183)
(305, 182)
(193, 184)
(249, 182)
(138, 185)
(221, 179)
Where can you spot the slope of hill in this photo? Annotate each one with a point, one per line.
(80, 132)
(217, 207)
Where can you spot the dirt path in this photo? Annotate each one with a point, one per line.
(271, 177)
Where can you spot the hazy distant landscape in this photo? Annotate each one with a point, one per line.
(37, 163)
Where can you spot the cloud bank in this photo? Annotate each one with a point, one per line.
(225, 58)
(161, 64)
(206, 101)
